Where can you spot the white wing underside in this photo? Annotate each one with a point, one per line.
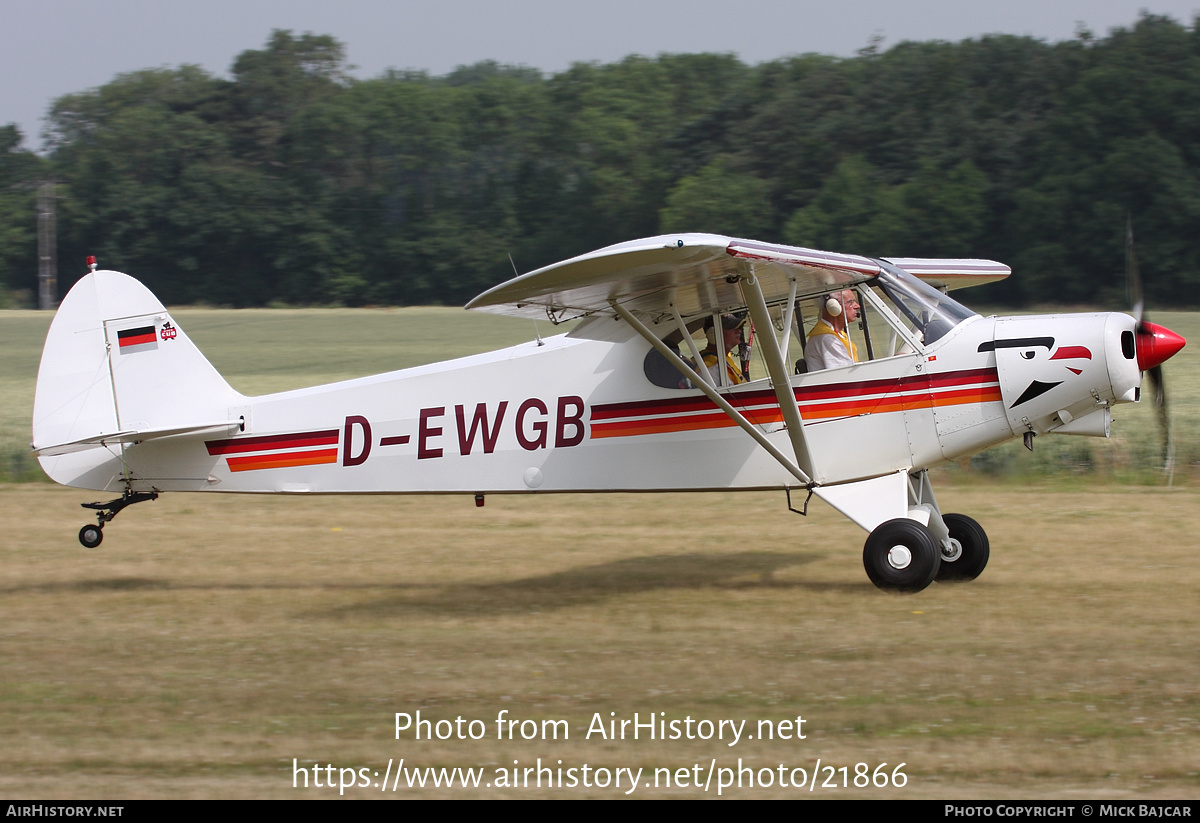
(697, 273)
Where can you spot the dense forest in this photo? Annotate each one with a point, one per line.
(291, 182)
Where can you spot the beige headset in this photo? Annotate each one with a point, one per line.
(833, 306)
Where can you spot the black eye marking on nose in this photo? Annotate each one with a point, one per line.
(1017, 343)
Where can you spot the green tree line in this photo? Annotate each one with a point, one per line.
(292, 182)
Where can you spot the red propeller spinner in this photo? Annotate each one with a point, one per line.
(1156, 344)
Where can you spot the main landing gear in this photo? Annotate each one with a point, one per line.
(969, 549)
(901, 555)
(90, 536)
(905, 555)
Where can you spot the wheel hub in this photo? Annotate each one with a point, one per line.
(951, 550)
(899, 557)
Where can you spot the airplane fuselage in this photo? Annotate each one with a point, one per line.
(576, 412)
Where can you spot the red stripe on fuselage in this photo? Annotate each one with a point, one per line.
(815, 402)
(860, 389)
(275, 441)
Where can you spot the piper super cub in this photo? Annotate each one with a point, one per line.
(625, 401)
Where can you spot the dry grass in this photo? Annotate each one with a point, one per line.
(211, 639)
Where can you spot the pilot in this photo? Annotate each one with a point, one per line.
(731, 331)
(829, 344)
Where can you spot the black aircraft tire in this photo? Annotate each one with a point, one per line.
(901, 555)
(90, 536)
(975, 549)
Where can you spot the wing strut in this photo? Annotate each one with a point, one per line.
(780, 379)
(711, 393)
(696, 356)
(785, 334)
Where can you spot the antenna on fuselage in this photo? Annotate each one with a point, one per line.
(536, 330)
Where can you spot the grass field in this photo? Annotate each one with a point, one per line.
(212, 639)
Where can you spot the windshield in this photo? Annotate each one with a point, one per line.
(931, 313)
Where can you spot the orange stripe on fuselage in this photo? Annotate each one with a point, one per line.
(715, 420)
(810, 411)
(282, 461)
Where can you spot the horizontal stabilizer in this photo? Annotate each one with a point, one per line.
(223, 427)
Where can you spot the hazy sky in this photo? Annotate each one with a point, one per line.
(52, 47)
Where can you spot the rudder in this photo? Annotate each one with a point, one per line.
(116, 364)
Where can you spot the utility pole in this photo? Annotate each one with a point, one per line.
(47, 249)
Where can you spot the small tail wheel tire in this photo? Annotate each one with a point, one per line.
(90, 536)
(901, 555)
(975, 550)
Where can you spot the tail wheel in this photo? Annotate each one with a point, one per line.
(973, 552)
(90, 536)
(901, 555)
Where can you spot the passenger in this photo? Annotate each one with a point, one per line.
(731, 329)
(829, 345)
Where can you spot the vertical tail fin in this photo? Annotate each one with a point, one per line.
(117, 368)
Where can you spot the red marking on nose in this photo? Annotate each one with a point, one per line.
(1068, 352)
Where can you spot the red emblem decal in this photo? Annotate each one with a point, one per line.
(1071, 352)
(168, 331)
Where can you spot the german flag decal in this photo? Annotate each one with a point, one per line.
(277, 451)
(143, 338)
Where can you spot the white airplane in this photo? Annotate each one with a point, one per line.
(126, 403)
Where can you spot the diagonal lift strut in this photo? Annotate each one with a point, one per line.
(713, 395)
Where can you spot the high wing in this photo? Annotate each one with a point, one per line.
(949, 274)
(698, 274)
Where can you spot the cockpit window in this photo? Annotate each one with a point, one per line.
(931, 313)
(660, 372)
(896, 314)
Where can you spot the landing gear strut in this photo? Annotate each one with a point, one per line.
(90, 536)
